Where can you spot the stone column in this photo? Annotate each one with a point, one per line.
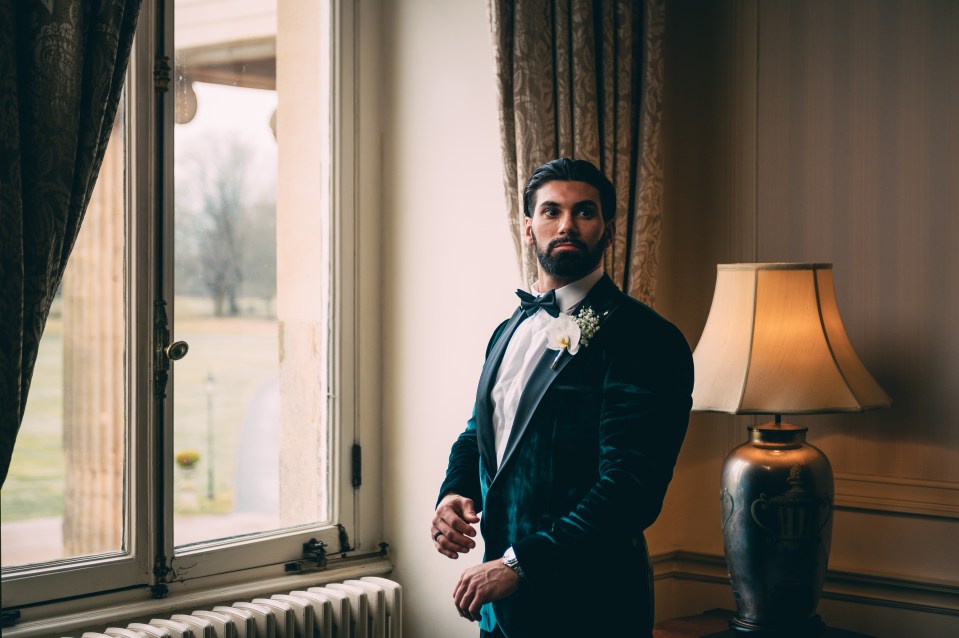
(93, 368)
(302, 209)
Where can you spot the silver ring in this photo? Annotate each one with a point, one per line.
(437, 535)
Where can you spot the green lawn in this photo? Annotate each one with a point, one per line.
(35, 480)
(241, 356)
(239, 352)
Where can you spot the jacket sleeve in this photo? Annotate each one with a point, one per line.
(646, 398)
(462, 471)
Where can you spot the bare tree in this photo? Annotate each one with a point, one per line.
(213, 221)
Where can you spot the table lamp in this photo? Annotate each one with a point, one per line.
(774, 344)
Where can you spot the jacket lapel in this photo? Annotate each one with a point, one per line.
(484, 403)
(602, 299)
(535, 388)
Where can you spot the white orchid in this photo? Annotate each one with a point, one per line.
(567, 333)
(562, 334)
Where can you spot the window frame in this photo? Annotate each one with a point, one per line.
(148, 498)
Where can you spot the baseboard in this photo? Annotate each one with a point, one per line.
(681, 565)
(856, 587)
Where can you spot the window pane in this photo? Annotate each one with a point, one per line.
(64, 493)
(233, 390)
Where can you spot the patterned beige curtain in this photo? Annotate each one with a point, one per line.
(583, 79)
(62, 66)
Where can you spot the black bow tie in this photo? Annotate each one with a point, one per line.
(545, 302)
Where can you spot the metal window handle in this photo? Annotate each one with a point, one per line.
(177, 350)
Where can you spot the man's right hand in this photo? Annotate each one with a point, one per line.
(453, 521)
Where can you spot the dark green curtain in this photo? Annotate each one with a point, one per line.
(62, 65)
(584, 79)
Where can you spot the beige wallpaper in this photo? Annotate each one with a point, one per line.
(858, 164)
(837, 142)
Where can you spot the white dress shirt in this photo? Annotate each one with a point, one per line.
(524, 351)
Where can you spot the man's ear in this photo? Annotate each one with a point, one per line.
(610, 231)
(528, 230)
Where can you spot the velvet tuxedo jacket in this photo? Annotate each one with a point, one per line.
(584, 472)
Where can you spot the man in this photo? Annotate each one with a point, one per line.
(574, 435)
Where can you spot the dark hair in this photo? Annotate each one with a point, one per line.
(570, 170)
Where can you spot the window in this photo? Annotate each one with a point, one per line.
(221, 217)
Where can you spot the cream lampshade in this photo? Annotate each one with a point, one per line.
(774, 343)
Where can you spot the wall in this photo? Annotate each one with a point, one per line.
(448, 278)
(827, 131)
(794, 131)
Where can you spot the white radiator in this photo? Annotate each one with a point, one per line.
(366, 608)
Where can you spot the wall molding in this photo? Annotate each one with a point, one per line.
(682, 565)
(938, 499)
(936, 597)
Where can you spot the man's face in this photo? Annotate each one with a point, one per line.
(567, 229)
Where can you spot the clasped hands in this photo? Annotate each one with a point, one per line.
(453, 533)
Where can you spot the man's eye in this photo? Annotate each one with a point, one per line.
(586, 212)
(550, 212)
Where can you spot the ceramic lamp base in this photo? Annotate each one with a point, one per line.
(777, 495)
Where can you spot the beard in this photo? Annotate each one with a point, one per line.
(567, 264)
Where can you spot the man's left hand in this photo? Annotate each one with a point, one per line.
(482, 584)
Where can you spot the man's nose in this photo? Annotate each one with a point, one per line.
(566, 225)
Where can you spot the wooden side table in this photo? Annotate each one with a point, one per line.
(715, 624)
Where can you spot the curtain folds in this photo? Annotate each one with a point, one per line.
(583, 79)
(62, 66)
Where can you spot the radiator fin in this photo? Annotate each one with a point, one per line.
(200, 626)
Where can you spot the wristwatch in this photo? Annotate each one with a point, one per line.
(510, 560)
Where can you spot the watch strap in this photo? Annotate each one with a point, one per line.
(510, 560)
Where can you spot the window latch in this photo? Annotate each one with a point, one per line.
(164, 352)
(161, 73)
(314, 551)
(357, 465)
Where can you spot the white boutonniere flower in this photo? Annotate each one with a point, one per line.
(566, 333)
(563, 333)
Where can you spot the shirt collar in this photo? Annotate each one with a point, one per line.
(570, 295)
